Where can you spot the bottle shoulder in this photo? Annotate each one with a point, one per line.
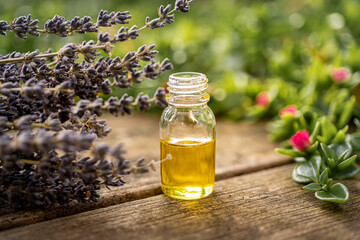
(196, 114)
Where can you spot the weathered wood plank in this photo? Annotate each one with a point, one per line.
(241, 148)
(261, 205)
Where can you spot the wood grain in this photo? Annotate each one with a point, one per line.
(241, 148)
(262, 205)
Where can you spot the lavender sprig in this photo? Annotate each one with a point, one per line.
(58, 25)
(41, 164)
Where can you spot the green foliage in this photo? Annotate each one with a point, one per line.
(337, 193)
(286, 47)
(331, 159)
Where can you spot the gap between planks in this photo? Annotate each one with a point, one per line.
(241, 148)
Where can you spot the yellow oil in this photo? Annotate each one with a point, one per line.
(190, 174)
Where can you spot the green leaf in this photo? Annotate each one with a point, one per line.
(288, 118)
(343, 156)
(324, 177)
(331, 163)
(345, 129)
(315, 132)
(355, 141)
(350, 172)
(339, 149)
(329, 182)
(279, 130)
(329, 153)
(313, 147)
(313, 187)
(290, 152)
(303, 122)
(321, 138)
(346, 163)
(337, 193)
(328, 129)
(347, 112)
(310, 169)
(339, 137)
(314, 120)
(299, 179)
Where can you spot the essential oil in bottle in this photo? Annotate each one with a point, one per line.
(187, 134)
(190, 172)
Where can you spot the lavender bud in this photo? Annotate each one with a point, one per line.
(135, 76)
(24, 142)
(57, 25)
(163, 14)
(143, 103)
(124, 33)
(183, 5)
(166, 65)
(23, 25)
(54, 125)
(125, 104)
(4, 27)
(160, 96)
(106, 20)
(44, 141)
(141, 166)
(25, 122)
(103, 37)
(151, 70)
(100, 150)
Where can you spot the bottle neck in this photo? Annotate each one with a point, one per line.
(187, 89)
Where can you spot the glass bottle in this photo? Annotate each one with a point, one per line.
(187, 138)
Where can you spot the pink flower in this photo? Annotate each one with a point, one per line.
(263, 99)
(300, 141)
(289, 110)
(340, 75)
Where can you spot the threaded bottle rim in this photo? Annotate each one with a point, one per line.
(187, 89)
(187, 83)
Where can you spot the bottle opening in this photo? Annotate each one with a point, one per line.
(187, 78)
(187, 89)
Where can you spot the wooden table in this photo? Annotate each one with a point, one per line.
(254, 198)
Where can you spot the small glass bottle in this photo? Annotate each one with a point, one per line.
(187, 135)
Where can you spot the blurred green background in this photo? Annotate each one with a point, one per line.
(284, 47)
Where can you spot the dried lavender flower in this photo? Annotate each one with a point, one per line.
(125, 104)
(154, 23)
(40, 164)
(152, 70)
(106, 20)
(4, 27)
(23, 25)
(183, 5)
(82, 25)
(164, 14)
(103, 37)
(143, 102)
(160, 96)
(57, 25)
(125, 33)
